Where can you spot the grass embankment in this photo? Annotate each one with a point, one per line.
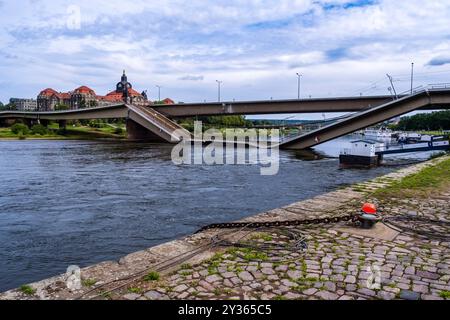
(421, 184)
(70, 133)
(436, 133)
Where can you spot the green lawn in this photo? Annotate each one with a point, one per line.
(73, 133)
(6, 133)
(422, 183)
(434, 133)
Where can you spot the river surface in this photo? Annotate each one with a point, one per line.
(77, 203)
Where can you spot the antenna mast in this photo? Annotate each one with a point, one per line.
(392, 85)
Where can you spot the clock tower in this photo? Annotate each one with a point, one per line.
(123, 87)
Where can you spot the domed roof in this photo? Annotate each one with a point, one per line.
(84, 90)
(48, 92)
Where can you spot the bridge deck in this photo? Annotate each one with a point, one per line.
(341, 104)
(433, 99)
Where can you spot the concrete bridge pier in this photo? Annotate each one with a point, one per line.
(62, 124)
(137, 132)
(5, 122)
(30, 122)
(44, 122)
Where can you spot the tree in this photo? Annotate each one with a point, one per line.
(39, 129)
(10, 106)
(20, 128)
(439, 120)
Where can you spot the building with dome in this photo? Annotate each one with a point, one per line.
(84, 97)
(125, 92)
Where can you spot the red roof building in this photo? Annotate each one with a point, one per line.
(168, 101)
(84, 90)
(47, 92)
(85, 97)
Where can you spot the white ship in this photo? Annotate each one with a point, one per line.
(379, 133)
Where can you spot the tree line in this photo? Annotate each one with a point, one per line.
(435, 121)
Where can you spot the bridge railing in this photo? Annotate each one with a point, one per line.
(439, 86)
(414, 91)
(421, 88)
(162, 120)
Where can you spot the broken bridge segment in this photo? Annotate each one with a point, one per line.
(430, 99)
(148, 124)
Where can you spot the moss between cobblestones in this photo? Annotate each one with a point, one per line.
(106, 295)
(135, 290)
(255, 255)
(88, 282)
(152, 276)
(28, 290)
(186, 266)
(262, 235)
(212, 270)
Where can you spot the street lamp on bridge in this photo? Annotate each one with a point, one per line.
(159, 92)
(298, 87)
(218, 89)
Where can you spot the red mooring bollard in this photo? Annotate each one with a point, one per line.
(368, 216)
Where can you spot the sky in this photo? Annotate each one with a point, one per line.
(256, 47)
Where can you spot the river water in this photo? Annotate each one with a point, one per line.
(82, 202)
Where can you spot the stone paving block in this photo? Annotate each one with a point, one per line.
(385, 295)
(430, 297)
(420, 288)
(326, 295)
(228, 275)
(183, 295)
(131, 296)
(350, 279)
(345, 297)
(268, 271)
(282, 268)
(291, 296)
(153, 295)
(213, 278)
(245, 275)
(409, 295)
(367, 292)
(428, 275)
(330, 286)
(294, 274)
(310, 291)
(206, 285)
(180, 288)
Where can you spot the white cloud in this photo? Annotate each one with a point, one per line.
(191, 78)
(254, 46)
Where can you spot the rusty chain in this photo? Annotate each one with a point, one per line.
(285, 223)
